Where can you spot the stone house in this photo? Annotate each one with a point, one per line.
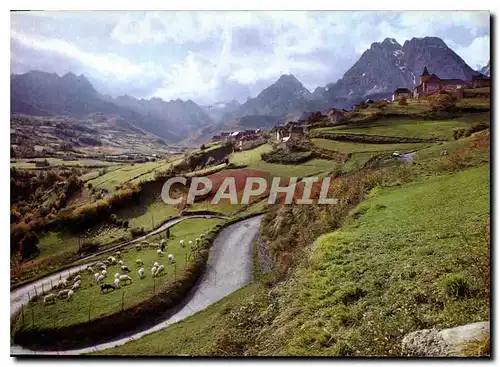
(481, 81)
(400, 93)
(431, 83)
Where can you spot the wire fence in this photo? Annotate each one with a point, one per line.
(93, 311)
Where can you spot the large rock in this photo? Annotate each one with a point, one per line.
(445, 342)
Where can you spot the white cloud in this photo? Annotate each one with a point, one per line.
(477, 53)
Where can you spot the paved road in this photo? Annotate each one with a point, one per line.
(229, 268)
(21, 295)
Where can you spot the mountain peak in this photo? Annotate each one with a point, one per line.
(390, 41)
(288, 78)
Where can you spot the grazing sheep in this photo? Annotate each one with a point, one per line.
(64, 292)
(138, 247)
(98, 264)
(202, 235)
(198, 240)
(96, 275)
(104, 272)
(116, 283)
(153, 271)
(155, 264)
(139, 262)
(171, 258)
(103, 267)
(49, 298)
(120, 262)
(61, 284)
(444, 152)
(112, 260)
(190, 244)
(100, 278)
(163, 241)
(159, 252)
(106, 262)
(89, 269)
(117, 275)
(76, 286)
(70, 294)
(105, 287)
(125, 277)
(181, 243)
(118, 253)
(159, 270)
(141, 273)
(125, 268)
(77, 278)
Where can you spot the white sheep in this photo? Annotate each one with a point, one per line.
(77, 278)
(153, 271)
(198, 240)
(98, 264)
(76, 286)
(100, 278)
(106, 262)
(104, 272)
(49, 298)
(89, 269)
(120, 262)
(171, 258)
(155, 264)
(116, 283)
(138, 247)
(125, 268)
(141, 273)
(181, 243)
(61, 284)
(202, 235)
(103, 267)
(70, 294)
(190, 244)
(97, 275)
(112, 260)
(124, 277)
(159, 270)
(118, 253)
(162, 242)
(139, 262)
(117, 275)
(63, 292)
(159, 252)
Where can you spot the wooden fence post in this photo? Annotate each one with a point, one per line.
(42, 290)
(36, 294)
(51, 286)
(22, 313)
(32, 317)
(123, 296)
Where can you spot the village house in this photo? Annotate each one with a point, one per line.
(481, 81)
(400, 93)
(431, 83)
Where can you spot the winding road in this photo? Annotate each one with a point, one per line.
(229, 268)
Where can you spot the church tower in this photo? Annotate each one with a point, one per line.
(424, 75)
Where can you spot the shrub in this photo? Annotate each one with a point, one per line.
(137, 232)
(203, 147)
(88, 247)
(456, 286)
(441, 101)
(403, 102)
(380, 105)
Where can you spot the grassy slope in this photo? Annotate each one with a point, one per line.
(65, 313)
(348, 147)
(397, 252)
(24, 163)
(252, 159)
(382, 276)
(442, 129)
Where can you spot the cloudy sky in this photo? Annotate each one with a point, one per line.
(217, 56)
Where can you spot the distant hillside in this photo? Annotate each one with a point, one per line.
(44, 94)
(486, 69)
(218, 110)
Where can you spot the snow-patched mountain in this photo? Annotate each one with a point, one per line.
(387, 65)
(486, 69)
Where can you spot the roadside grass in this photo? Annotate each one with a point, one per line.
(64, 313)
(252, 159)
(196, 335)
(441, 129)
(149, 210)
(385, 273)
(223, 207)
